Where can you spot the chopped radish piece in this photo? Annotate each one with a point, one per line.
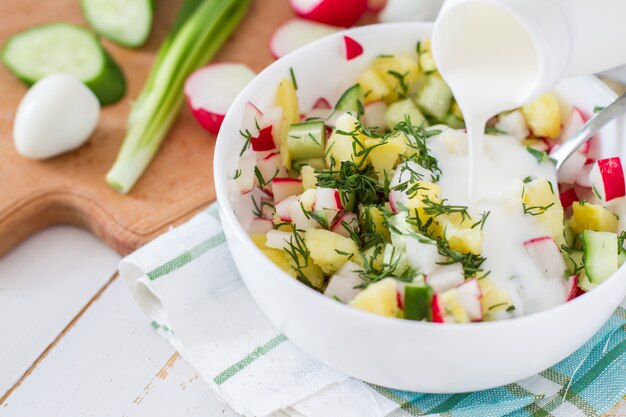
(212, 89)
(469, 297)
(514, 124)
(248, 206)
(264, 141)
(322, 103)
(410, 10)
(396, 200)
(285, 187)
(374, 115)
(607, 179)
(296, 33)
(547, 256)
(342, 285)
(302, 220)
(283, 208)
(436, 310)
(343, 13)
(271, 167)
(571, 168)
(445, 277)
(267, 211)
(573, 125)
(568, 198)
(252, 118)
(424, 257)
(582, 179)
(353, 48)
(344, 223)
(260, 225)
(244, 177)
(277, 239)
(273, 117)
(571, 287)
(327, 199)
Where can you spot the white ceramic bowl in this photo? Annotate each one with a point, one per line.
(402, 354)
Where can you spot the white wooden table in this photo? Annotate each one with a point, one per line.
(74, 344)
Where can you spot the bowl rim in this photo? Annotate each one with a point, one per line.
(227, 213)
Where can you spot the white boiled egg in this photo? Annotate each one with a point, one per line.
(56, 115)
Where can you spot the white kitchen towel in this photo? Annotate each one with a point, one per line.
(188, 286)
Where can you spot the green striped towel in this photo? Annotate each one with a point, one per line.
(188, 286)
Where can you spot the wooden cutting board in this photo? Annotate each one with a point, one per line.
(70, 189)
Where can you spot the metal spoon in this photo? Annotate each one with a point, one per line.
(597, 122)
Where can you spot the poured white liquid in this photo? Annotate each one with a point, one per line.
(486, 77)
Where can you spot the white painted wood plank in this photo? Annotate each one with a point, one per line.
(111, 363)
(44, 283)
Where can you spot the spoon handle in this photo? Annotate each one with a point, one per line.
(601, 119)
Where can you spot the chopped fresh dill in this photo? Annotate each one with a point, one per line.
(262, 181)
(293, 78)
(540, 156)
(318, 216)
(439, 209)
(528, 179)
(247, 137)
(258, 207)
(597, 109)
(404, 87)
(536, 210)
(353, 184)
(371, 273)
(299, 255)
(490, 130)
(417, 137)
(237, 174)
(483, 218)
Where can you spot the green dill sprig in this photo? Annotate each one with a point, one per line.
(318, 216)
(417, 137)
(372, 274)
(483, 218)
(436, 209)
(404, 87)
(352, 183)
(536, 210)
(299, 255)
(262, 181)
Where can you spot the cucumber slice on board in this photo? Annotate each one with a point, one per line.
(601, 257)
(64, 48)
(126, 22)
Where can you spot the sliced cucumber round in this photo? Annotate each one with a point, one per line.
(126, 22)
(65, 48)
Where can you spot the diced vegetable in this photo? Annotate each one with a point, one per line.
(332, 12)
(514, 124)
(353, 48)
(330, 250)
(343, 285)
(127, 22)
(600, 254)
(434, 97)
(379, 298)
(286, 187)
(417, 302)
(588, 216)
(546, 255)
(351, 100)
(540, 200)
(64, 48)
(400, 110)
(445, 277)
(544, 116)
(202, 26)
(374, 116)
(607, 179)
(307, 140)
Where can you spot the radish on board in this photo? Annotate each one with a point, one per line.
(296, 33)
(568, 198)
(546, 255)
(353, 48)
(327, 199)
(344, 222)
(260, 225)
(286, 187)
(283, 208)
(211, 90)
(342, 13)
(571, 287)
(607, 179)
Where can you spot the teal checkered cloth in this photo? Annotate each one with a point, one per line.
(187, 284)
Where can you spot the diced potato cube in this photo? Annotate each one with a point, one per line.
(339, 146)
(373, 85)
(309, 178)
(544, 116)
(453, 310)
(287, 99)
(372, 220)
(464, 239)
(379, 298)
(399, 72)
(540, 200)
(588, 216)
(329, 250)
(385, 157)
(493, 299)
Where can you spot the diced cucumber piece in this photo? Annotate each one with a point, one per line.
(64, 48)
(454, 122)
(417, 301)
(351, 101)
(600, 254)
(573, 260)
(316, 163)
(307, 140)
(434, 97)
(126, 22)
(399, 110)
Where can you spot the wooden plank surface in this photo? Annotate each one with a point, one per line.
(70, 188)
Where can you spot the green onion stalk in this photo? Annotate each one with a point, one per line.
(201, 28)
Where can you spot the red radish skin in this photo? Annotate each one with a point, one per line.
(211, 90)
(607, 179)
(353, 48)
(568, 198)
(343, 13)
(286, 187)
(322, 103)
(264, 141)
(436, 310)
(296, 33)
(341, 220)
(327, 199)
(399, 300)
(271, 167)
(571, 287)
(252, 117)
